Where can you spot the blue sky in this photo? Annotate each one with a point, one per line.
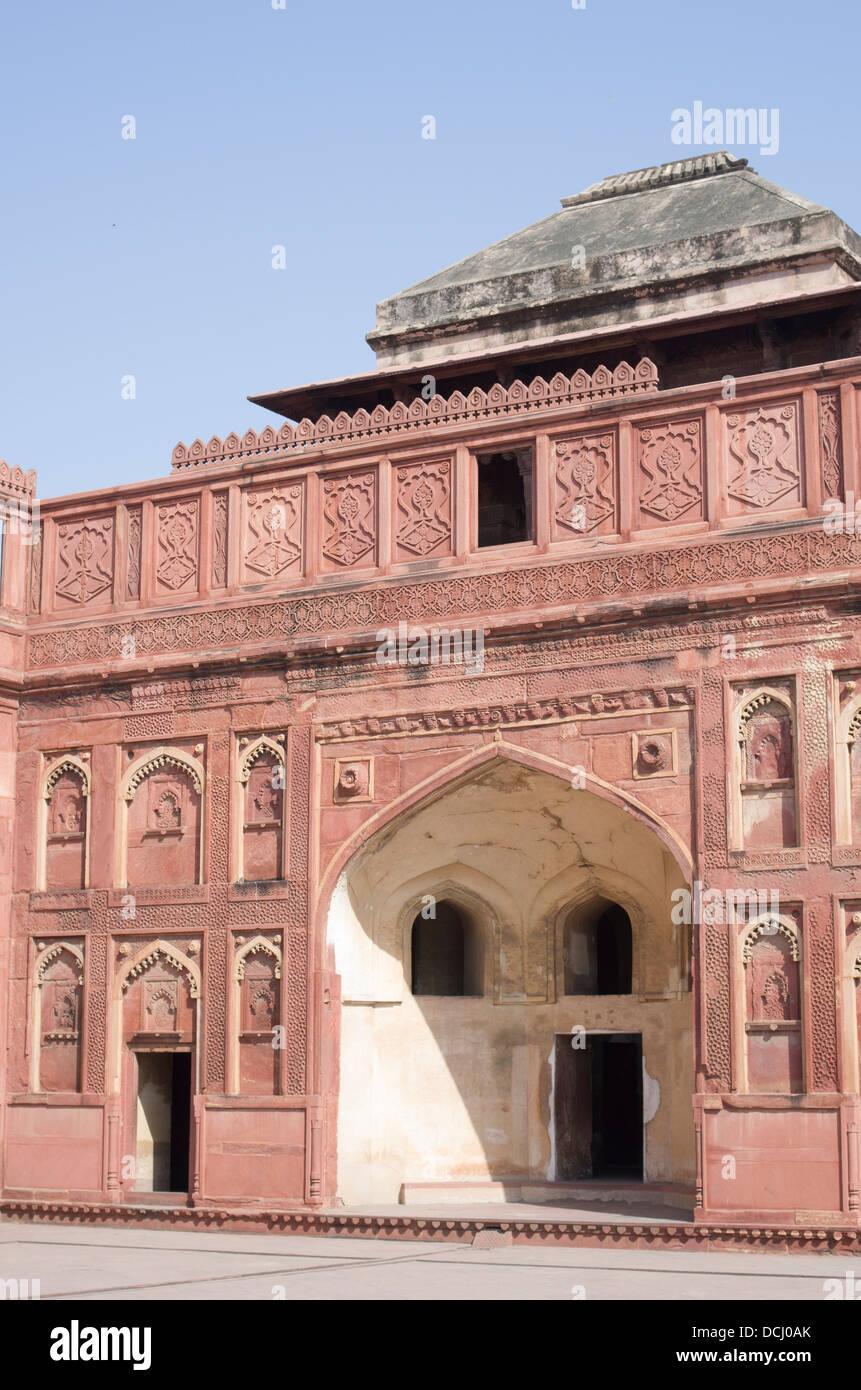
(301, 127)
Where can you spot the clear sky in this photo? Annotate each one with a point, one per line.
(301, 127)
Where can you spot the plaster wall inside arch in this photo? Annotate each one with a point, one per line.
(459, 1089)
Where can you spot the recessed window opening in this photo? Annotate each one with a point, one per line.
(446, 953)
(598, 949)
(504, 497)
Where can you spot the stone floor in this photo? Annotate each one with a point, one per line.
(77, 1262)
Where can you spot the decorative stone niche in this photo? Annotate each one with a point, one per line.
(261, 781)
(771, 958)
(65, 816)
(765, 813)
(56, 1017)
(162, 832)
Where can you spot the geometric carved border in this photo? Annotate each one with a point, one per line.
(696, 565)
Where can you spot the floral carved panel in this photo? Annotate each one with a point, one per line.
(585, 489)
(670, 472)
(423, 510)
(177, 535)
(272, 540)
(349, 520)
(763, 458)
(85, 563)
(830, 447)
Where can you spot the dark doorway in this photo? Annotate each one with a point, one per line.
(598, 1107)
(163, 1121)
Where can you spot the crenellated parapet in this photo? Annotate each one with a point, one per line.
(498, 403)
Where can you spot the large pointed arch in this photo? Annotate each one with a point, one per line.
(462, 770)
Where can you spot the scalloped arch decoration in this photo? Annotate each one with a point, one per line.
(67, 763)
(162, 757)
(261, 745)
(770, 926)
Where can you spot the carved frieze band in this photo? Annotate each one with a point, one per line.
(685, 567)
(513, 712)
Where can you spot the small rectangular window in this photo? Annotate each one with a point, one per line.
(504, 497)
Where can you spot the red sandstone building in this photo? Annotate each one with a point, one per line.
(296, 911)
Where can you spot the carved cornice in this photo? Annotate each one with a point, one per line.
(510, 713)
(691, 568)
(546, 649)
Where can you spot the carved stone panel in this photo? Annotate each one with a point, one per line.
(830, 446)
(219, 540)
(272, 543)
(349, 521)
(423, 510)
(585, 487)
(84, 572)
(177, 537)
(670, 472)
(133, 569)
(762, 459)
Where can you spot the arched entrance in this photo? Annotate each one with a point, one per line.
(464, 1086)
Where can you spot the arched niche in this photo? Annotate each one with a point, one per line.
(256, 1032)
(597, 949)
(446, 955)
(771, 1005)
(63, 836)
(56, 1018)
(259, 840)
(765, 807)
(162, 833)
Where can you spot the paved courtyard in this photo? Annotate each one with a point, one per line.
(75, 1262)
